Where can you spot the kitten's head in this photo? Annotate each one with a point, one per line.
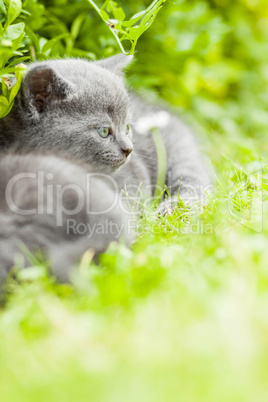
(78, 108)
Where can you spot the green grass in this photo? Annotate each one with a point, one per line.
(182, 315)
(179, 316)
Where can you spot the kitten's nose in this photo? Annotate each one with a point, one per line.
(125, 145)
(127, 151)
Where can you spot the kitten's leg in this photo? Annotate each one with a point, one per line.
(187, 176)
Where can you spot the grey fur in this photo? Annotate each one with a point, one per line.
(83, 95)
(59, 108)
(53, 227)
(59, 113)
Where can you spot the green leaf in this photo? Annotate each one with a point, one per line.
(13, 11)
(19, 73)
(14, 31)
(33, 38)
(49, 44)
(41, 56)
(3, 100)
(118, 12)
(3, 7)
(104, 15)
(5, 107)
(76, 26)
(132, 34)
(5, 87)
(6, 71)
(19, 60)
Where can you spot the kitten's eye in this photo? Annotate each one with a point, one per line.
(103, 132)
(127, 129)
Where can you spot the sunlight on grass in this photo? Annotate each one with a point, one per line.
(178, 313)
(182, 314)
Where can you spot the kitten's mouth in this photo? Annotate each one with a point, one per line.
(116, 165)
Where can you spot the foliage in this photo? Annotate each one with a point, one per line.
(182, 315)
(30, 31)
(128, 30)
(11, 48)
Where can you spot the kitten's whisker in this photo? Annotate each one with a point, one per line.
(145, 156)
(153, 174)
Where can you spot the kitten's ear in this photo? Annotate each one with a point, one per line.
(43, 86)
(116, 63)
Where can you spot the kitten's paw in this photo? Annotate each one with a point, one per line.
(167, 206)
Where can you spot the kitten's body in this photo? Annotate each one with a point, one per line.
(66, 107)
(63, 101)
(50, 204)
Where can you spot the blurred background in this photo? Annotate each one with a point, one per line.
(206, 57)
(181, 315)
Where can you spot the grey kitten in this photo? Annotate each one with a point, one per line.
(82, 110)
(50, 204)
